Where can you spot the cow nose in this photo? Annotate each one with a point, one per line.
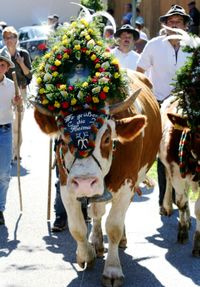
(84, 186)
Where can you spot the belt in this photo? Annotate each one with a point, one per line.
(6, 126)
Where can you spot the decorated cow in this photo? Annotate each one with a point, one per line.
(109, 126)
(180, 144)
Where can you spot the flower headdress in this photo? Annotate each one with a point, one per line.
(81, 41)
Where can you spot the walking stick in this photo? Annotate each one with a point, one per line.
(18, 139)
(49, 181)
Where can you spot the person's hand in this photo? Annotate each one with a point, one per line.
(19, 59)
(17, 101)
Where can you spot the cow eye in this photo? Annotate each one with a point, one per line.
(107, 139)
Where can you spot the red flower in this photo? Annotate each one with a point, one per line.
(107, 49)
(94, 80)
(97, 60)
(88, 99)
(42, 47)
(59, 56)
(53, 68)
(58, 85)
(102, 96)
(83, 50)
(51, 108)
(65, 105)
(68, 51)
(101, 70)
(71, 88)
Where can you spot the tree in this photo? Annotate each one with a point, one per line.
(96, 5)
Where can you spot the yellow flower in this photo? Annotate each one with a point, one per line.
(57, 104)
(55, 48)
(55, 74)
(85, 84)
(115, 61)
(41, 91)
(45, 101)
(87, 37)
(77, 47)
(62, 87)
(47, 56)
(99, 43)
(88, 52)
(90, 31)
(57, 63)
(41, 66)
(93, 57)
(97, 74)
(73, 101)
(106, 55)
(39, 80)
(64, 37)
(65, 56)
(64, 42)
(73, 24)
(95, 100)
(116, 75)
(84, 22)
(97, 66)
(106, 89)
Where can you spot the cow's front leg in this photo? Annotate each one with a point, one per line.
(167, 201)
(85, 251)
(113, 274)
(96, 211)
(196, 241)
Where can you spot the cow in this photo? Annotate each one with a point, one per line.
(180, 153)
(125, 147)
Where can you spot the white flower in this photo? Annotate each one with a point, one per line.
(47, 77)
(90, 44)
(96, 90)
(105, 65)
(103, 80)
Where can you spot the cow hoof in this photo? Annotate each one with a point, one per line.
(100, 252)
(81, 264)
(196, 245)
(112, 282)
(165, 212)
(183, 235)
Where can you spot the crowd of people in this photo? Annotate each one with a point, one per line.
(134, 49)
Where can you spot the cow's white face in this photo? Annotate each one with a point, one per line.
(86, 175)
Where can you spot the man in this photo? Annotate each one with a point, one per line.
(162, 58)
(195, 15)
(126, 18)
(21, 59)
(127, 57)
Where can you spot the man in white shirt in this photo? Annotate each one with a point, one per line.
(161, 58)
(127, 57)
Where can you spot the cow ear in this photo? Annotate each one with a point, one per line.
(46, 123)
(178, 121)
(129, 128)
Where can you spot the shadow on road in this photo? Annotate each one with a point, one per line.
(178, 255)
(134, 273)
(6, 245)
(23, 171)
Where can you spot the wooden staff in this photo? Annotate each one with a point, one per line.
(18, 139)
(49, 181)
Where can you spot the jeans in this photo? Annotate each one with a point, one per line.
(58, 204)
(5, 163)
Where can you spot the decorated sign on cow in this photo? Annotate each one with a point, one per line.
(82, 128)
(79, 72)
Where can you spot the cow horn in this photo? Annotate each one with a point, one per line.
(119, 107)
(41, 109)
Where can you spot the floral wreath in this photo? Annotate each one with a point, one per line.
(81, 41)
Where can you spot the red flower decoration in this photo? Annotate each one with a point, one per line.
(42, 47)
(71, 88)
(53, 68)
(94, 80)
(65, 105)
(83, 50)
(59, 56)
(88, 99)
(51, 108)
(102, 96)
(101, 70)
(97, 60)
(68, 51)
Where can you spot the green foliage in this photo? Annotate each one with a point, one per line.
(187, 87)
(95, 5)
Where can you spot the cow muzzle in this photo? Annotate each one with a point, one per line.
(91, 188)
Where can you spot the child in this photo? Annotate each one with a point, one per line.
(7, 98)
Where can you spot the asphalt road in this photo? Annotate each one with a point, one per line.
(32, 256)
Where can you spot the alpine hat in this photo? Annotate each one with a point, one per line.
(175, 10)
(128, 28)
